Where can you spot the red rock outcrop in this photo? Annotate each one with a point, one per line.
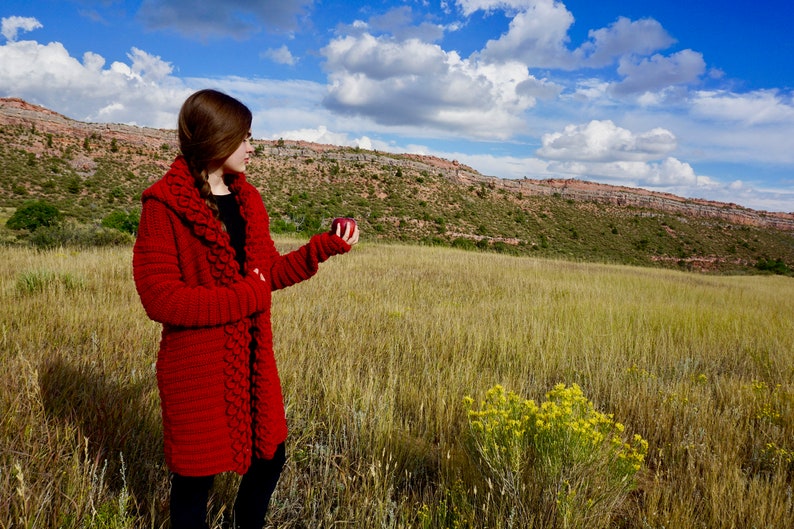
(18, 112)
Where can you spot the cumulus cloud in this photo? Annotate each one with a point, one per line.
(222, 18)
(603, 141)
(280, 55)
(603, 151)
(400, 23)
(537, 36)
(141, 91)
(11, 26)
(538, 88)
(623, 37)
(149, 67)
(380, 58)
(668, 175)
(658, 72)
(590, 89)
(415, 83)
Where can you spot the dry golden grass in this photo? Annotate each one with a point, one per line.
(376, 355)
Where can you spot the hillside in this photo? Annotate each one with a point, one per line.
(89, 170)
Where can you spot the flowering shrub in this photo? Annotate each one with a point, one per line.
(561, 457)
(768, 401)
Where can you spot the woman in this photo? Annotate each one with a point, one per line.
(204, 266)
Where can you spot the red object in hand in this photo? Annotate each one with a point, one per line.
(343, 222)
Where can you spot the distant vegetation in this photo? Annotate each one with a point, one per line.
(34, 215)
(96, 181)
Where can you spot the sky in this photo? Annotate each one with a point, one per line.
(690, 97)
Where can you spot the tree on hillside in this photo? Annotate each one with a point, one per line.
(123, 221)
(33, 215)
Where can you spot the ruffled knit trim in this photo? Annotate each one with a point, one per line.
(238, 405)
(178, 191)
(269, 422)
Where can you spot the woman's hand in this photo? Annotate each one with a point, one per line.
(261, 276)
(347, 236)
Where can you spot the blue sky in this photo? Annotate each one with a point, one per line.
(694, 98)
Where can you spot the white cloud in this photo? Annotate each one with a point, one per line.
(591, 89)
(468, 7)
(11, 26)
(419, 84)
(537, 36)
(603, 141)
(753, 108)
(602, 151)
(513, 167)
(658, 72)
(140, 92)
(380, 58)
(93, 62)
(400, 23)
(538, 88)
(669, 175)
(623, 37)
(762, 197)
(149, 67)
(110, 110)
(280, 55)
(322, 135)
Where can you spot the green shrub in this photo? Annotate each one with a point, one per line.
(34, 215)
(280, 225)
(78, 235)
(122, 221)
(776, 266)
(73, 185)
(463, 243)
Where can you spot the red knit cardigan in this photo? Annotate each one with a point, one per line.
(214, 400)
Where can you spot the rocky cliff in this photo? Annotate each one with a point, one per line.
(18, 112)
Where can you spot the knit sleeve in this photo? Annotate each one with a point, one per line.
(167, 298)
(304, 262)
(293, 267)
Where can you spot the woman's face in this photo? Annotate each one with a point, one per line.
(237, 162)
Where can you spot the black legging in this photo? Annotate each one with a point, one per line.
(189, 495)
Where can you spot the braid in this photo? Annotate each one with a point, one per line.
(206, 193)
(204, 189)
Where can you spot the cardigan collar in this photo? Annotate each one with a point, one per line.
(178, 191)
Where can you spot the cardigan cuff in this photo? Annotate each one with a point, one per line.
(260, 291)
(328, 245)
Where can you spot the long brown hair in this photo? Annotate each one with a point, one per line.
(212, 125)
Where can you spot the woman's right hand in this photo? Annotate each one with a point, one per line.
(349, 236)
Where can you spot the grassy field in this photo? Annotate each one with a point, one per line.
(378, 355)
